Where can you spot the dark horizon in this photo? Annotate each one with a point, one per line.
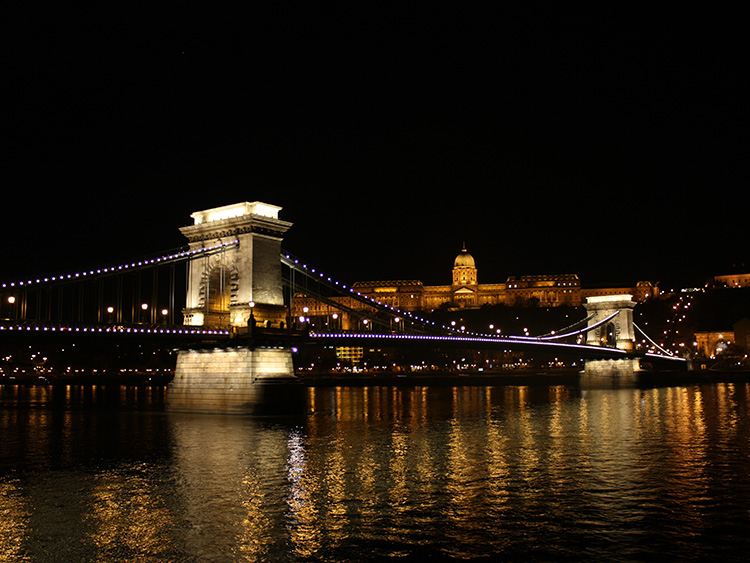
(606, 144)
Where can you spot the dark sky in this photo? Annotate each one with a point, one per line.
(609, 143)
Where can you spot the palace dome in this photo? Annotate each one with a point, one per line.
(464, 259)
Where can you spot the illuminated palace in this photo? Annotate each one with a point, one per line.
(465, 291)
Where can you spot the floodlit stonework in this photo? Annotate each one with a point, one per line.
(618, 332)
(224, 287)
(711, 343)
(732, 280)
(232, 380)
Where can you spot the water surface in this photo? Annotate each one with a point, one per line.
(539, 473)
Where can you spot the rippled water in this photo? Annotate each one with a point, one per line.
(496, 473)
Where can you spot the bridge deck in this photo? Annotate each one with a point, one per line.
(184, 336)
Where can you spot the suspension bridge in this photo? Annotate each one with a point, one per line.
(227, 302)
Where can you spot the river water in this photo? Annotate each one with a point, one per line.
(537, 473)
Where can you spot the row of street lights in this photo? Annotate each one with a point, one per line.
(144, 309)
(11, 300)
(395, 322)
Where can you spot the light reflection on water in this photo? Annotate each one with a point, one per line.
(526, 473)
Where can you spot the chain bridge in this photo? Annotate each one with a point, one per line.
(226, 302)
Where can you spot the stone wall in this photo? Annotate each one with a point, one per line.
(234, 381)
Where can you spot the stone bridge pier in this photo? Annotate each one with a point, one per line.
(618, 332)
(231, 290)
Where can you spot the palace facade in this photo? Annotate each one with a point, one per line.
(465, 291)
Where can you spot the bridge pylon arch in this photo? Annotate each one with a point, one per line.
(618, 332)
(223, 289)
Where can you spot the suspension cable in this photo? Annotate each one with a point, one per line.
(561, 333)
(182, 254)
(343, 291)
(585, 329)
(639, 329)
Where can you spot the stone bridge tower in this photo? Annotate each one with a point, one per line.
(224, 287)
(618, 332)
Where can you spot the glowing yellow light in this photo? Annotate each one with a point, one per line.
(609, 298)
(236, 210)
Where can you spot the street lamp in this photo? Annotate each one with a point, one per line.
(306, 310)
(12, 302)
(251, 317)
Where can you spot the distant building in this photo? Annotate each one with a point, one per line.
(465, 291)
(709, 344)
(732, 280)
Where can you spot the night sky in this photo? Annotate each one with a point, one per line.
(611, 143)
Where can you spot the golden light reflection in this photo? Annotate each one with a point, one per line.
(464, 468)
(127, 517)
(501, 444)
(14, 523)
(225, 468)
(250, 529)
